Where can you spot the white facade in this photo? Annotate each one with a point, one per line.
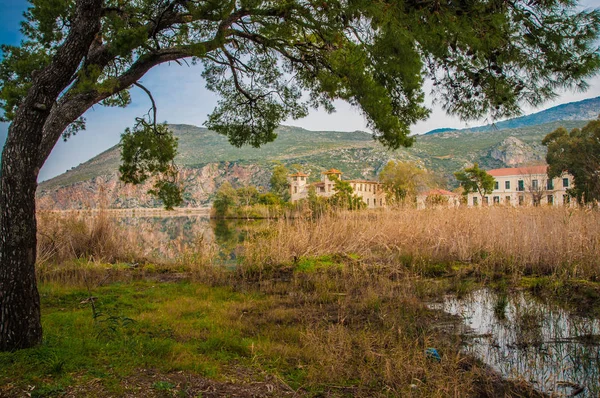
(371, 192)
(521, 186)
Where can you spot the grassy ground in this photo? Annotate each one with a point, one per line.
(333, 307)
(327, 326)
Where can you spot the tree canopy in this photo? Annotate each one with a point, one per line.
(404, 179)
(577, 153)
(279, 182)
(484, 57)
(474, 179)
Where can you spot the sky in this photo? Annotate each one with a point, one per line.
(182, 99)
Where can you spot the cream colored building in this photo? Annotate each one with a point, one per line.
(371, 192)
(525, 186)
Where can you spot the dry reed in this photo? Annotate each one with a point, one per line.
(532, 240)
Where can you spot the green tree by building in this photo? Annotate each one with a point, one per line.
(402, 180)
(474, 179)
(577, 153)
(279, 182)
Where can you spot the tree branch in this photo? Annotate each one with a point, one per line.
(151, 100)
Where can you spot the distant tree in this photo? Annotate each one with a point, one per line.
(474, 179)
(318, 205)
(279, 182)
(576, 153)
(484, 58)
(535, 184)
(225, 199)
(402, 180)
(247, 196)
(269, 199)
(344, 197)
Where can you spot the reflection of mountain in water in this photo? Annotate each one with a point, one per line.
(168, 238)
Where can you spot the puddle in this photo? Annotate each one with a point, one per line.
(557, 352)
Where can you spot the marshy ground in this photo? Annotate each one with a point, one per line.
(331, 307)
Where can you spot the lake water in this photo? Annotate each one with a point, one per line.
(167, 237)
(522, 338)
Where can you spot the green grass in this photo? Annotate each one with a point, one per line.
(167, 326)
(332, 328)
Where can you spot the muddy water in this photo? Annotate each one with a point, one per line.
(559, 353)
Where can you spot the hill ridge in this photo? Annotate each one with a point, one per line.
(587, 109)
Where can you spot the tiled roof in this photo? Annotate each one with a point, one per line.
(299, 174)
(332, 171)
(517, 171)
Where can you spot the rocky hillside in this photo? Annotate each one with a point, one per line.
(581, 110)
(206, 160)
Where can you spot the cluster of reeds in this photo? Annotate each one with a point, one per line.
(75, 235)
(532, 240)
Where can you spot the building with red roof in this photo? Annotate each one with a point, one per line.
(527, 185)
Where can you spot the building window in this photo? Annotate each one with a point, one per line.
(549, 184)
(520, 185)
(507, 200)
(534, 184)
(486, 200)
(295, 189)
(496, 185)
(521, 200)
(380, 202)
(550, 199)
(496, 200)
(566, 199)
(474, 200)
(507, 184)
(367, 201)
(565, 183)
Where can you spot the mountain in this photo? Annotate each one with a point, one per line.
(206, 160)
(581, 110)
(442, 130)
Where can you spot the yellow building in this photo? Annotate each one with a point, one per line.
(371, 192)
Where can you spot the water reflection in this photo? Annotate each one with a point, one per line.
(522, 338)
(167, 238)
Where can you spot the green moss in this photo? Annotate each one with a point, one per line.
(313, 264)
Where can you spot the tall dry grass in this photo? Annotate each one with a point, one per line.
(74, 235)
(89, 248)
(539, 240)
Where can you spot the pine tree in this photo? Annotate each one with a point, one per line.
(485, 57)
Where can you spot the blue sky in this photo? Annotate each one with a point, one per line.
(181, 98)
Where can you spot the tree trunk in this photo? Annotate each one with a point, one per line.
(23, 155)
(20, 325)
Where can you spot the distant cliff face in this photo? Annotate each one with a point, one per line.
(200, 185)
(206, 160)
(513, 152)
